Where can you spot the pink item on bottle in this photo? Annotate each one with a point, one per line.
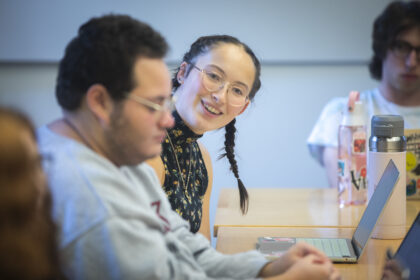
(353, 97)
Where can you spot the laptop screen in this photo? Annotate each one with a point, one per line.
(409, 251)
(375, 206)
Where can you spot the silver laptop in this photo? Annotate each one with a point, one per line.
(342, 249)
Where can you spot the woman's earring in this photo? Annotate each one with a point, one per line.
(180, 80)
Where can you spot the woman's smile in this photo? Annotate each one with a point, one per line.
(211, 109)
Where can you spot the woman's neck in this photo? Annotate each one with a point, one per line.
(190, 126)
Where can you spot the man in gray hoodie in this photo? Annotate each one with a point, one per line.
(114, 220)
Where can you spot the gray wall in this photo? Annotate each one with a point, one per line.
(278, 30)
(311, 51)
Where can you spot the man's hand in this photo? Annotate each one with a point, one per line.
(310, 267)
(392, 270)
(301, 259)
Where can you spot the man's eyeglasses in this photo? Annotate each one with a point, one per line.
(214, 81)
(168, 104)
(403, 49)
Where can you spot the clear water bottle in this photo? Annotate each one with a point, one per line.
(387, 141)
(352, 183)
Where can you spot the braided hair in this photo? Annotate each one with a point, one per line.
(201, 46)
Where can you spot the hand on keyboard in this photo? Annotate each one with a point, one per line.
(302, 261)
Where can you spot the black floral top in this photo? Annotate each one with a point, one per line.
(186, 201)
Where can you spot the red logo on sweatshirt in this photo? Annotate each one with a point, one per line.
(166, 227)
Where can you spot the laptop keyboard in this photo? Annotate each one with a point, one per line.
(332, 247)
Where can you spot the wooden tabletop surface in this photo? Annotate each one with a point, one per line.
(292, 207)
(239, 239)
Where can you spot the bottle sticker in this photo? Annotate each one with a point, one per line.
(341, 166)
(411, 160)
(413, 163)
(359, 142)
(411, 187)
(358, 178)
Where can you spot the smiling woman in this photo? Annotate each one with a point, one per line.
(216, 81)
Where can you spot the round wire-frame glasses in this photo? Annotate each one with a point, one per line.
(237, 94)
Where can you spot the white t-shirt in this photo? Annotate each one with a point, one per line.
(325, 131)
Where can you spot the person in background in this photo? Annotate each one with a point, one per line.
(216, 81)
(396, 65)
(28, 248)
(115, 220)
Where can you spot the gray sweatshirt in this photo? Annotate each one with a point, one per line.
(116, 223)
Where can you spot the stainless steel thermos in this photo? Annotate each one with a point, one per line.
(387, 142)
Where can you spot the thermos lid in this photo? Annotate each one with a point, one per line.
(387, 126)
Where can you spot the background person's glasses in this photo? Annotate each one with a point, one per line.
(168, 104)
(214, 81)
(403, 49)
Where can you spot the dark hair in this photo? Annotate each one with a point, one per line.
(201, 46)
(104, 52)
(28, 245)
(396, 18)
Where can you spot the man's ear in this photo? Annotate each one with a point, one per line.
(100, 103)
(182, 73)
(245, 106)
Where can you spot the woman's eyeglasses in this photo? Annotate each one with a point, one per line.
(213, 81)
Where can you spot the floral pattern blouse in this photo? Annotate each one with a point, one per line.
(186, 184)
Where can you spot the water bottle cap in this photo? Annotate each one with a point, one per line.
(355, 117)
(387, 126)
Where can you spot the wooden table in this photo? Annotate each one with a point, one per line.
(282, 207)
(239, 239)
